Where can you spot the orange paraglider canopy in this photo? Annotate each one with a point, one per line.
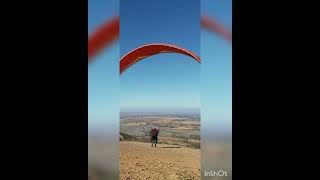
(149, 50)
(103, 36)
(214, 26)
(108, 32)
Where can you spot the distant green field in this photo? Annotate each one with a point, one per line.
(175, 130)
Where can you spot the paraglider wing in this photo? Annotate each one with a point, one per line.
(150, 50)
(214, 26)
(108, 32)
(103, 37)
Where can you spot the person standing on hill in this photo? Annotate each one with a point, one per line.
(154, 136)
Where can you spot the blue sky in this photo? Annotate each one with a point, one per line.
(216, 71)
(103, 75)
(164, 81)
(213, 88)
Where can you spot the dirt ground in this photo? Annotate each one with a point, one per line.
(140, 161)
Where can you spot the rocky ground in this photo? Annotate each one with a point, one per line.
(139, 160)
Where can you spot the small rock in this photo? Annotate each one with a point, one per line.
(173, 177)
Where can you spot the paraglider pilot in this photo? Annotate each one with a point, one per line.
(154, 136)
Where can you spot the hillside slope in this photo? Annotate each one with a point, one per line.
(140, 161)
